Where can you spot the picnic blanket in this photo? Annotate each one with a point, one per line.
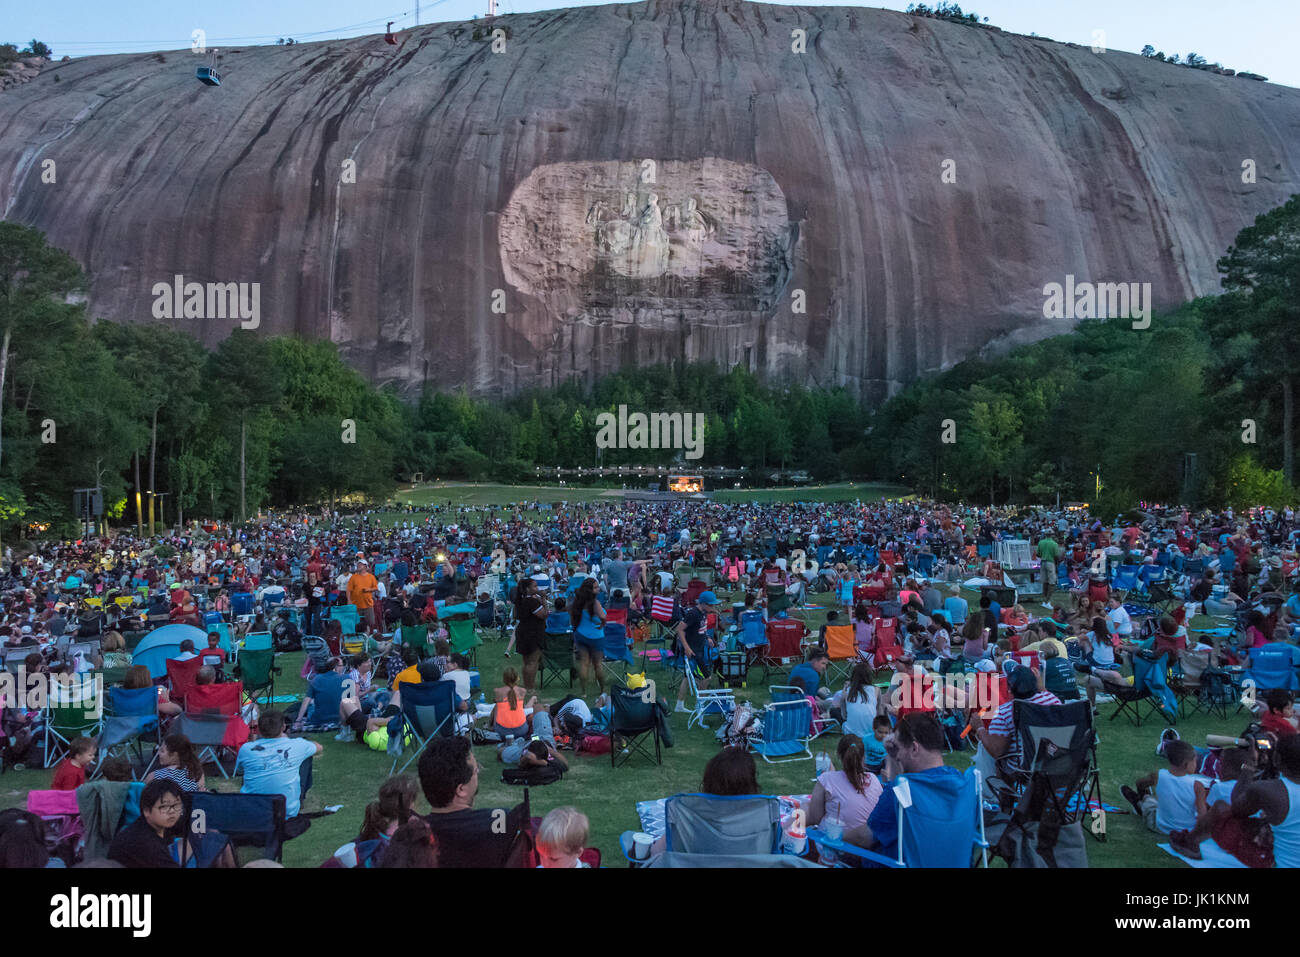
(1211, 856)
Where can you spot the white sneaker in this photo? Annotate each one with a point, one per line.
(681, 708)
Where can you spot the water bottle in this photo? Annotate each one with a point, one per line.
(834, 830)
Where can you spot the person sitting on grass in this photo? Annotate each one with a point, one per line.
(71, 772)
(179, 762)
(1166, 799)
(874, 744)
(507, 718)
(1276, 803)
(321, 706)
(272, 764)
(1214, 820)
(562, 838)
(849, 795)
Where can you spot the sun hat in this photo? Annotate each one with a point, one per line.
(707, 598)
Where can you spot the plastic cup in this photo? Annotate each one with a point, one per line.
(641, 844)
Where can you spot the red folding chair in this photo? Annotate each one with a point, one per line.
(616, 616)
(886, 647)
(181, 675)
(784, 644)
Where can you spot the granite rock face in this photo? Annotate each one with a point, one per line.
(604, 186)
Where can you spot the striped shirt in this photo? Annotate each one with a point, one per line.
(178, 777)
(1002, 724)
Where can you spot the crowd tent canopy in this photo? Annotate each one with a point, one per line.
(163, 643)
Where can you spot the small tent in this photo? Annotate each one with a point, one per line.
(163, 643)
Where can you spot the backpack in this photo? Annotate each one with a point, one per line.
(593, 744)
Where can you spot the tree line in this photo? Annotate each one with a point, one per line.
(1199, 408)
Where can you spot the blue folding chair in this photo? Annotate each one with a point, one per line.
(428, 709)
(241, 603)
(935, 829)
(347, 616)
(786, 731)
(617, 646)
(1273, 666)
(131, 718)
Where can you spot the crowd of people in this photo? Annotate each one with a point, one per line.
(902, 576)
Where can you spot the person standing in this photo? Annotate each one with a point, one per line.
(1048, 551)
(362, 588)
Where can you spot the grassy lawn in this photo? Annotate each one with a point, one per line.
(349, 774)
(464, 493)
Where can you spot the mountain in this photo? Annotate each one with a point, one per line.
(595, 187)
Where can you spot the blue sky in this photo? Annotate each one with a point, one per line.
(1256, 35)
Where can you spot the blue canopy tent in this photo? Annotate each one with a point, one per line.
(162, 643)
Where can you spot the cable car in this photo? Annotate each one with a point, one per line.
(388, 34)
(208, 75)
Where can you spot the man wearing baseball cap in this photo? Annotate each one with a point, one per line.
(695, 643)
(362, 587)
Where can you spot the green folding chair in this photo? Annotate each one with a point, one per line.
(462, 636)
(417, 637)
(557, 660)
(257, 670)
(67, 718)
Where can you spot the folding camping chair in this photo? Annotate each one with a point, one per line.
(933, 831)
(131, 718)
(1148, 689)
(885, 648)
(67, 717)
(721, 701)
(717, 824)
(1058, 748)
(213, 713)
(247, 820)
(258, 641)
(241, 603)
(1186, 681)
(752, 639)
(257, 671)
(786, 731)
(633, 718)
(417, 637)
(617, 648)
(428, 709)
(1160, 595)
(1125, 579)
(664, 616)
(784, 644)
(819, 724)
(462, 638)
(842, 646)
(61, 814)
(347, 616)
(557, 653)
(182, 675)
